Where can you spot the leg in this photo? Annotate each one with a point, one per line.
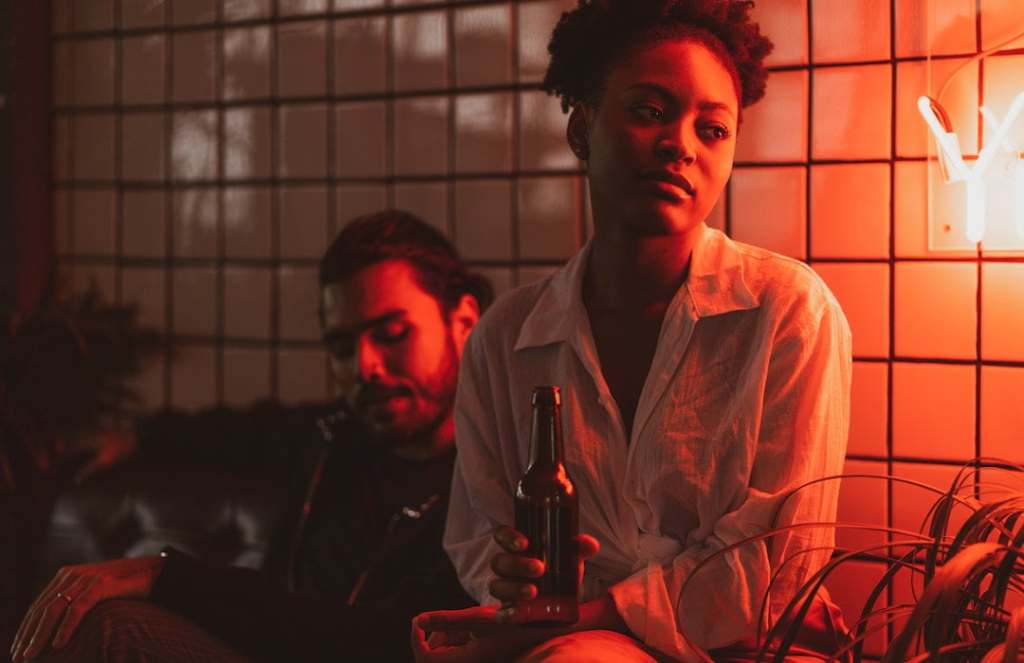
(593, 646)
(123, 631)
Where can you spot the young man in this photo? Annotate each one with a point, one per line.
(363, 544)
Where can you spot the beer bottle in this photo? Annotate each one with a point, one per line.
(547, 513)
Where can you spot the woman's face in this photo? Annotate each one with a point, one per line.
(660, 144)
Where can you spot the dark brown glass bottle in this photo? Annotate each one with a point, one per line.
(547, 512)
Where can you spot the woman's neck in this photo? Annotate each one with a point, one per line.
(632, 273)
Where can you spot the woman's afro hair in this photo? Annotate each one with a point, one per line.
(588, 38)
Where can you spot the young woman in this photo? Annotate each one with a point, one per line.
(703, 379)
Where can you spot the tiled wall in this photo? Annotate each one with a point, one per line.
(206, 151)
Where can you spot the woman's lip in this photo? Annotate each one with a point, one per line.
(677, 192)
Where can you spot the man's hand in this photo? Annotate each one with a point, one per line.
(57, 611)
(513, 570)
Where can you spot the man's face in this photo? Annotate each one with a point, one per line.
(392, 350)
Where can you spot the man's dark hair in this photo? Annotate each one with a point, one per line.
(398, 235)
(587, 41)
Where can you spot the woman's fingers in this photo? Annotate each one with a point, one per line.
(510, 540)
(85, 596)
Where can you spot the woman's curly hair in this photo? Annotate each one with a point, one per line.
(589, 38)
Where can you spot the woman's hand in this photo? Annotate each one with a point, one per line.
(513, 570)
(474, 634)
(58, 610)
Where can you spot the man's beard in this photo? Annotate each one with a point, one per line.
(433, 402)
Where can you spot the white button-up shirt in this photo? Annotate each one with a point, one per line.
(746, 399)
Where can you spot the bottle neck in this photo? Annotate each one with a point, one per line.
(546, 437)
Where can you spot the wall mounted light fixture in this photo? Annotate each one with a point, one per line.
(1000, 158)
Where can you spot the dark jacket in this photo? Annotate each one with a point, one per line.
(356, 556)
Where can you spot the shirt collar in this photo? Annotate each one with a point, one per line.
(715, 285)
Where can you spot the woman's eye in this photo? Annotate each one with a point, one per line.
(648, 112)
(716, 132)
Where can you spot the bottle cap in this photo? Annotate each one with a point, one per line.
(547, 395)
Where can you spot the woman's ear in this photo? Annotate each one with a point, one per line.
(577, 131)
(461, 321)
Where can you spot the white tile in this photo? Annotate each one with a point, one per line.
(303, 141)
(862, 501)
(1002, 84)
(298, 304)
(302, 376)
(240, 10)
(194, 378)
(869, 407)
(844, 127)
(246, 63)
(247, 312)
(92, 213)
(351, 5)
(360, 132)
(527, 275)
(767, 207)
(355, 200)
(360, 55)
(195, 301)
(549, 217)
(1002, 311)
(429, 201)
(782, 112)
(246, 375)
(62, 158)
(483, 132)
(146, 289)
(194, 66)
(536, 21)
(933, 411)
(420, 50)
(785, 23)
(482, 47)
(194, 218)
(1001, 21)
(863, 291)
(935, 310)
(960, 100)
(247, 143)
(93, 71)
(63, 67)
(148, 385)
(144, 223)
(303, 221)
(1002, 417)
(913, 502)
(93, 278)
(850, 586)
(60, 16)
(142, 69)
(142, 13)
(185, 12)
(950, 23)
(912, 209)
(850, 31)
(292, 7)
(247, 222)
(421, 135)
(93, 15)
(194, 145)
(302, 59)
(501, 278)
(483, 219)
(61, 222)
(542, 142)
(850, 211)
(143, 151)
(93, 147)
